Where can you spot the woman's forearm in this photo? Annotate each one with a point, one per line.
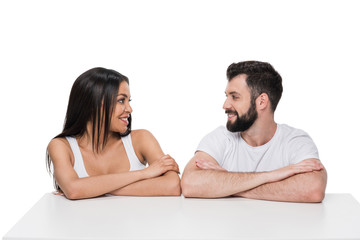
(165, 185)
(99, 185)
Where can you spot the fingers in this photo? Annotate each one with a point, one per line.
(200, 163)
(169, 164)
(162, 165)
(310, 165)
(58, 193)
(208, 165)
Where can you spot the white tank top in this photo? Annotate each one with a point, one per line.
(79, 166)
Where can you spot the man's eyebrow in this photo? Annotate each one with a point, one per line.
(233, 92)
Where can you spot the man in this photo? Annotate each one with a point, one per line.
(254, 157)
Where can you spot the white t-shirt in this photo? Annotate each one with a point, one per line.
(288, 146)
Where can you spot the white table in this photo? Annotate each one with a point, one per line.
(55, 217)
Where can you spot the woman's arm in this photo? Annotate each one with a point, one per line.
(165, 185)
(148, 149)
(74, 187)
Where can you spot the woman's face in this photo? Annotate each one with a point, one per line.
(122, 110)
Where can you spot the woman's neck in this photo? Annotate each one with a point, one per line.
(86, 140)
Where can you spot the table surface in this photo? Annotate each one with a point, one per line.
(112, 217)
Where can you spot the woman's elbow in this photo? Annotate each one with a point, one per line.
(73, 192)
(176, 190)
(173, 185)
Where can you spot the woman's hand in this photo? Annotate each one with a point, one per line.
(60, 193)
(164, 164)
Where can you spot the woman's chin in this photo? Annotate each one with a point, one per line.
(120, 131)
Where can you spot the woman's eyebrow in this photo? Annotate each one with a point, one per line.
(123, 94)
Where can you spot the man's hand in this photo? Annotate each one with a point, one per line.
(308, 165)
(208, 165)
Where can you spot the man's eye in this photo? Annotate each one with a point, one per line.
(235, 97)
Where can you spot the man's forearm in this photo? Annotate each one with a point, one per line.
(166, 185)
(303, 187)
(214, 184)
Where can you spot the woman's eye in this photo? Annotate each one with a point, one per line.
(122, 100)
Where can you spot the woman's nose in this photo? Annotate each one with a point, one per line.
(128, 108)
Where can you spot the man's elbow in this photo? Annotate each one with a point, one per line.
(316, 193)
(316, 196)
(187, 187)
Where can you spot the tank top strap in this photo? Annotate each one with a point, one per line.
(135, 163)
(79, 166)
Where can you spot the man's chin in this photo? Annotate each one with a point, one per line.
(231, 127)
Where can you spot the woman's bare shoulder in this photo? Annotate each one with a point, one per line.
(59, 146)
(58, 142)
(141, 135)
(144, 142)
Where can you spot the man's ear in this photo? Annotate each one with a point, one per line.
(262, 101)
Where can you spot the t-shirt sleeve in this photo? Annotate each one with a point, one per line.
(214, 144)
(301, 147)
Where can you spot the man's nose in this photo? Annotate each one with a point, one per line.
(226, 105)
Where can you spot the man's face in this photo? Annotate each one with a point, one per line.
(238, 106)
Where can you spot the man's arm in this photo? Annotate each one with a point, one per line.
(202, 179)
(304, 187)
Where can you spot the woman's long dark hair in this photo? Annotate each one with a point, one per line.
(92, 98)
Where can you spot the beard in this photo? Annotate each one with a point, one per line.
(243, 122)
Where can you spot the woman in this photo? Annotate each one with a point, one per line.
(97, 153)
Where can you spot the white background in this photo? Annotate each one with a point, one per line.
(175, 54)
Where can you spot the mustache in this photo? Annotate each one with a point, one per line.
(231, 112)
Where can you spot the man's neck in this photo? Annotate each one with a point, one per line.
(259, 133)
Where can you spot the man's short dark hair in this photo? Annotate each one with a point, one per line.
(261, 77)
